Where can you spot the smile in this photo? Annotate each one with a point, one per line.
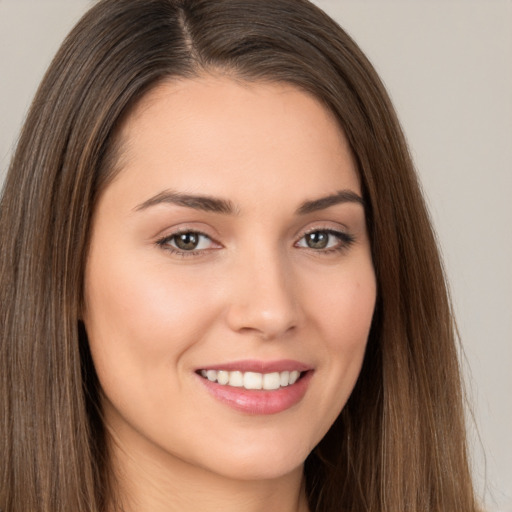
(256, 387)
(252, 380)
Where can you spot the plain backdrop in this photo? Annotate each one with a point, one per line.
(448, 67)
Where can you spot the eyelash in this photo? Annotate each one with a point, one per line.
(345, 241)
(165, 241)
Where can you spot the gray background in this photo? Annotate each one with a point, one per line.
(448, 67)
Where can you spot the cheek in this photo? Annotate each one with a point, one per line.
(141, 317)
(353, 313)
(343, 307)
(343, 315)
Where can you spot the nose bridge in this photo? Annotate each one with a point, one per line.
(263, 299)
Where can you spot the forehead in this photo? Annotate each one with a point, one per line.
(213, 134)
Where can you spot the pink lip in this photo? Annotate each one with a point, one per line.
(260, 402)
(250, 365)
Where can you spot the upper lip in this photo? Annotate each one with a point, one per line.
(251, 365)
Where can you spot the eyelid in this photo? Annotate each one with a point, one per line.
(163, 242)
(346, 239)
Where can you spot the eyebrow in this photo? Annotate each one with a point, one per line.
(226, 207)
(340, 197)
(197, 202)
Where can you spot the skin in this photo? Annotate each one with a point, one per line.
(254, 289)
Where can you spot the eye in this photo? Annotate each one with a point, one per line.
(186, 242)
(325, 240)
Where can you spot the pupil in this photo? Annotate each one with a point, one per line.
(317, 240)
(187, 241)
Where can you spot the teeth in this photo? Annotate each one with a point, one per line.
(222, 377)
(271, 381)
(236, 379)
(252, 380)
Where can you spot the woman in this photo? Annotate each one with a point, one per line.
(220, 287)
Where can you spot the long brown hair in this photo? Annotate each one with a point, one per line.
(399, 443)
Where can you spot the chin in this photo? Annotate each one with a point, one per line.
(265, 468)
(261, 461)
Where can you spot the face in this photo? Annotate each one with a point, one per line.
(229, 288)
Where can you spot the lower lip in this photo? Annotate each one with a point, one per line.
(259, 401)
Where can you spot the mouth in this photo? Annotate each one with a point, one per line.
(255, 387)
(253, 380)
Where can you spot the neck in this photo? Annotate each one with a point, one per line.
(147, 483)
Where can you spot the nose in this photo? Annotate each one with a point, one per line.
(263, 301)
